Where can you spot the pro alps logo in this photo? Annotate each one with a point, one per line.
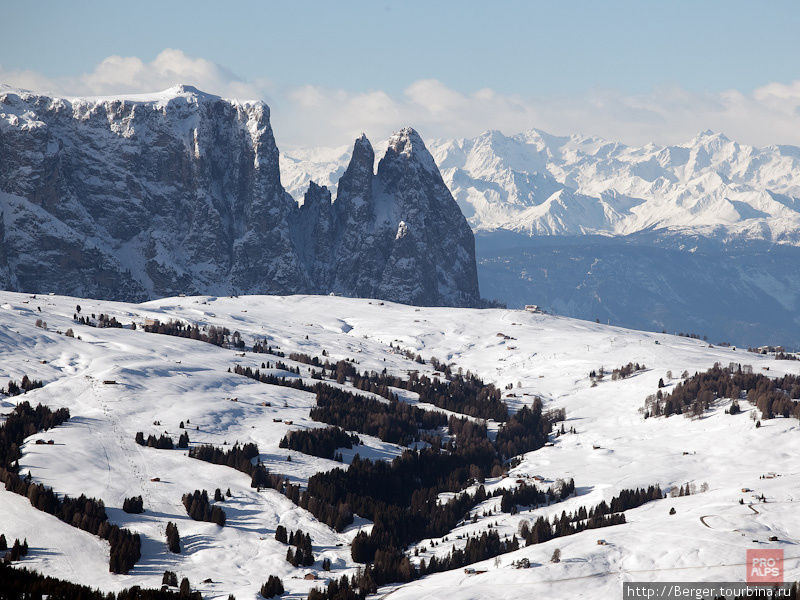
(764, 566)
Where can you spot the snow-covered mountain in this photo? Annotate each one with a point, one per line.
(541, 184)
(119, 381)
(547, 185)
(702, 236)
(180, 192)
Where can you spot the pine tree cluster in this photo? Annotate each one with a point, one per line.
(214, 335)
(303, 554)
(26, 385)
(773, 397)
(263, 347)
(134, 505)
(199, 508)
(290, 382)
(272, 587)
(322, 442)
(17, 551)
(23, 583)
(173, 540)
(346, 588)
(395, 422)
(162, 442)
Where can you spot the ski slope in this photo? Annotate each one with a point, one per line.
(167, 380)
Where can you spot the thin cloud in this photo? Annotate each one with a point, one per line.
(317, 116)
(130, 74)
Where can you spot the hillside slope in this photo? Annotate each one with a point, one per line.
(165, 380)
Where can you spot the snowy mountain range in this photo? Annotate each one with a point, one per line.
(541, 184)
(184, 192)
(699, 237)
(180, 192)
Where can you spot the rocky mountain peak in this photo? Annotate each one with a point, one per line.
(138, 196)
(407, 145)
(316, 194)
(362, 158)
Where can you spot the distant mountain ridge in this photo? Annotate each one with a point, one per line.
(541, 184)
(699, 237)
(141, 196)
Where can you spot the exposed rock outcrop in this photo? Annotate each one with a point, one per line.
(180, 192)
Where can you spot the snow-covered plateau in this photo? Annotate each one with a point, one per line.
(119, 381)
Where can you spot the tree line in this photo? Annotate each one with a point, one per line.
(530, 495)
(321, 442)
(488, 544)
(395, 422)
(291, 382)
(84, 513)
(478, 548)
(264, 347)
(26, 385)
(604, 514)
(212, 335)
(23, 583)
(162, 442)
(462, 393)
(356, 587)
(772, 396)
(466, 394)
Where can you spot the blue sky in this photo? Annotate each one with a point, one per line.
(536, 56)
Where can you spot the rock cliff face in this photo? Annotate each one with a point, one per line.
(397, 232)
(180, 192)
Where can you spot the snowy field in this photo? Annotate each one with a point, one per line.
(168, 380)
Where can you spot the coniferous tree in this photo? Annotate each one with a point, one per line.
(134, 505)
(280, 534)
(273, 587)
(185, 589)
(199, 508)
(173, 538)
